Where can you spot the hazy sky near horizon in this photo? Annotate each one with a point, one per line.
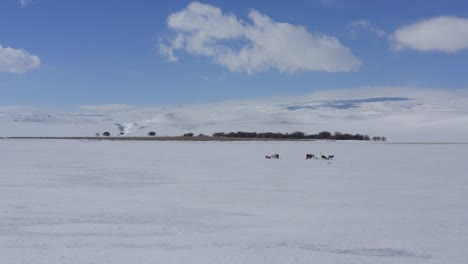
(59, 53)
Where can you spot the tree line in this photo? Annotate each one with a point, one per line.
(298, 135)
(278, 135)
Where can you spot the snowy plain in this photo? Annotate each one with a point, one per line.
(402, 114)
(70, 202)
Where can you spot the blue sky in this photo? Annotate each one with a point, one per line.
(64, 54)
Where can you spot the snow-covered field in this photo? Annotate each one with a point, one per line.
(221, 202)
(399, 113)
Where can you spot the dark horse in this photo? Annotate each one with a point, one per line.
(329, 157)
(274, 156)
(310, 156)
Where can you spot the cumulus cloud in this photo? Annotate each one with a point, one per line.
(17, 60)
(366, 24)
(443, 33)
(24, 3)
(255, 46)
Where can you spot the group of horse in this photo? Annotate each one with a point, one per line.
(308, 156)
(324, 157)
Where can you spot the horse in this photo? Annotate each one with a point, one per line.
(274, 156)
(329, 157)
(310, 156)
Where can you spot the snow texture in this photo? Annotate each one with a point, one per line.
(70, 202)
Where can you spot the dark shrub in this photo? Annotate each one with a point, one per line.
(106, 134)
(324, 135)
(152, 134)
(298, 135)
(188, 135)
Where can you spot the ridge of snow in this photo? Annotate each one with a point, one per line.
(399, 113)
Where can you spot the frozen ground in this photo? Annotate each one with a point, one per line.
(80, 202)
(401, 114)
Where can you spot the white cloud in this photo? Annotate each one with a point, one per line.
(443, 33)
(24, 3)
(366, 24)
(17, 60)
(256, 46)
(167, 52)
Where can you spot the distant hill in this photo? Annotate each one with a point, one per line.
(400, 114)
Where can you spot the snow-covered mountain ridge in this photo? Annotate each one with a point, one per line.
(400, 114)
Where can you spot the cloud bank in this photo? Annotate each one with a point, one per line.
(259, 45)
(444, 33)
(17, 60)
